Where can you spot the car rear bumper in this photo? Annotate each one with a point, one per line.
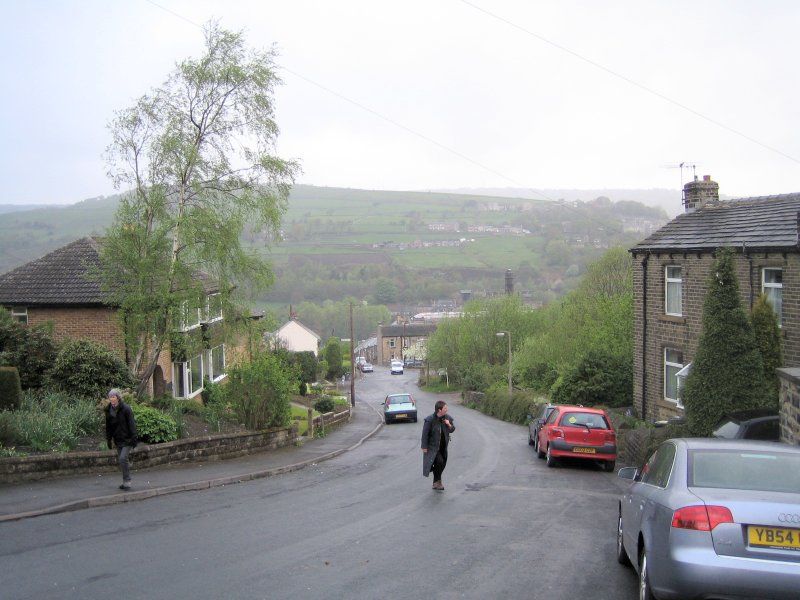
(695, 573)
(406, 415)
(560, 448)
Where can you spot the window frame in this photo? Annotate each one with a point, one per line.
(186, 379)
(773, 286)
(19, 314)
(669, 283)
(677, 367)
(217, 316)
(213, 376)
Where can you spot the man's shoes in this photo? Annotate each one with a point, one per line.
(126, 485)
(437, 485)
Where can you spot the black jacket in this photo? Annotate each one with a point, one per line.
(122, 426)
(432, 429)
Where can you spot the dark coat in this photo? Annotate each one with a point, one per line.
(431, 436)
(121, 427)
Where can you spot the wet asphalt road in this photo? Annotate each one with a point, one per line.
(363, 525)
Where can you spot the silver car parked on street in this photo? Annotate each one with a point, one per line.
(712, 518)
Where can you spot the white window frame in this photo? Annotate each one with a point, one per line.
(767, 287)
(213, 376)
(677, 366)
(670, 283)
(188, 380)
(20, 314)
(186, 312)
(209, 318)
(392, 342)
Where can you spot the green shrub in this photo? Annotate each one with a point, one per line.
(10, 388)
(49, 421)
(516, 409)
(324, 405)
(84, 368)
(599, 378)
(153, 426)
(30, 349)
(259, 392)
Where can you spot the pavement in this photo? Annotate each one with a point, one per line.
(62, 494)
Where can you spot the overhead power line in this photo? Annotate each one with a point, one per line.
(628, 80)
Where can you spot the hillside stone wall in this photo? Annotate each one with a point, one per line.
(790, 405)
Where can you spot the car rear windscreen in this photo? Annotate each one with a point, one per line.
(580, 419)
(745, 470)
(399, 399)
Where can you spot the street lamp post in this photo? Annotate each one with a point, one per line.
(507, 334)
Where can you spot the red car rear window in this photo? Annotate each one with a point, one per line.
(584, 419)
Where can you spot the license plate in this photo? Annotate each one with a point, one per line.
(401, 416)
(773, 537)
(585, 450)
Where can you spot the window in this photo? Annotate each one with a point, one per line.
(659, 467)
(673, 287)
(20, 314)
(391, 342)
(772, 288)
(673, 362)
(217, 363)
(187, 377)
(213, 307)
(189, 317)
(195, 375)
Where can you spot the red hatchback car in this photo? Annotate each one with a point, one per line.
(578, 432)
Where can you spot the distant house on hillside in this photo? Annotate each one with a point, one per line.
(394, 340)
(296, 337)
(58, 289)
(671, 272)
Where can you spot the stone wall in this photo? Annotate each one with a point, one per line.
(790, 405)
(210, 447)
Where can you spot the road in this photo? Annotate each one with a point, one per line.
(363, 525)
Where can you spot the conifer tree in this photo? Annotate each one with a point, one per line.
(727, 372)
(768, 342)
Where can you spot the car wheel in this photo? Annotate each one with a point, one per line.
(645, 592)
(609, 466)
(530, 440)
(387, 420)
(539, 452)
(415, 419)
(622, 556)
(551, 460)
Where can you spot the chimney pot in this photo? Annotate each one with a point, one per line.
(697, 194)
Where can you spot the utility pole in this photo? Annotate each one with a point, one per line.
(352, 361)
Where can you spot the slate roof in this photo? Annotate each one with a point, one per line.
(411, 330)
(63, 278)
(58, 278)
(759, 223)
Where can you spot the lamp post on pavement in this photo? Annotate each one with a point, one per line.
(507, 334)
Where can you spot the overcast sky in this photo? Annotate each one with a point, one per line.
(514, 110)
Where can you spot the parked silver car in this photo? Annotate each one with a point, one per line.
(713, 518)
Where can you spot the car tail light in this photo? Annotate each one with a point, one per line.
(559, 433)
(701, 518)
(611, 436)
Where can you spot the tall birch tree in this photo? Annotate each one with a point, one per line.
(197, 159)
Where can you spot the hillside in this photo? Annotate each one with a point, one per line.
(339, 242)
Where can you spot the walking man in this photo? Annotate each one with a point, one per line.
(121, 427)
(436, 431)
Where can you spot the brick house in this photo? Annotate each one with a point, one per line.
(58, 289)
(671, 271)
(393, 340)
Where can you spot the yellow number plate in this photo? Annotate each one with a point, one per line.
(773, 537)
(401, 416)
(585, 450)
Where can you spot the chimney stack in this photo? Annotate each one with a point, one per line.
(697, 194)
(509, 282)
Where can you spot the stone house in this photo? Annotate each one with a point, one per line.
(296, 337)
(671, 271)
(58, 289)
(393, 340)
